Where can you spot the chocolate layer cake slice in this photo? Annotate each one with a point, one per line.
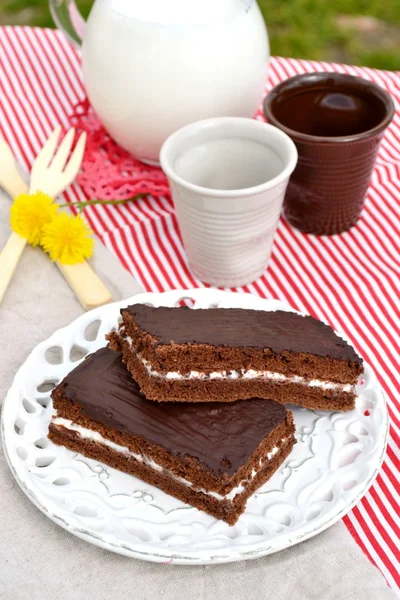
(212, 456)
(223, 355)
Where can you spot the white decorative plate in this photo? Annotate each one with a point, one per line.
(336, 459)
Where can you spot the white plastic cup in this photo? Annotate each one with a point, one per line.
(228, 178)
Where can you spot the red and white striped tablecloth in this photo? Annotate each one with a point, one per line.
(350, 281)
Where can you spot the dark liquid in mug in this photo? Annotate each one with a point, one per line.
(327, 113)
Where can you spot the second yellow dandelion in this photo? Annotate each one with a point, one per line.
(67, 239)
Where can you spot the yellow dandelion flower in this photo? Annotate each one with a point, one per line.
(30, 213)
(67, 239)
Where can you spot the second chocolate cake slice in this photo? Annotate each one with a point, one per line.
(212, 456)
(223, 355)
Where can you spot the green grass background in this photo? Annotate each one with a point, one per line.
(311, 29)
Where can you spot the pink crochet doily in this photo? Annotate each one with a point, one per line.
(108, 172)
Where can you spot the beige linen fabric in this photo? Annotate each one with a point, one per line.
(41, 561)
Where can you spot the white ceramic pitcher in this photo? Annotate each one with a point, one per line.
(153, 66)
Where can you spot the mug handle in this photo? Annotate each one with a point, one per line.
(68, 19)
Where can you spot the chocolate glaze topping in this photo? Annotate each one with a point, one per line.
(221, 435)
(278, 330)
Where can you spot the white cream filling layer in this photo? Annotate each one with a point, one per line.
(94, 436)
(247, 374)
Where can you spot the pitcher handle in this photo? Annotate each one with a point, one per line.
(68, 19)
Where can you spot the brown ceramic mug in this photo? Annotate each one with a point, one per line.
(337, 122)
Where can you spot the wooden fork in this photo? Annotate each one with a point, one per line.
(52, 173)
